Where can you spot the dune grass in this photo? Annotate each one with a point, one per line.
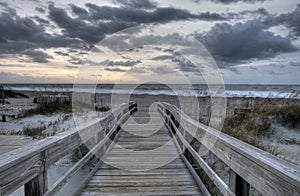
(251, 127)
(48, 109)
(34, 132)
(102, 108)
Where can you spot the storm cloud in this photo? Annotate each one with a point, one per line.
(291, 20)
(145, 4)
(233, 1)
(93, 22)
(244, 41)
(37, 56)
(22, 33)
(124, 63)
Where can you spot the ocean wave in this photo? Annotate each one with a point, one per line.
(199, 93)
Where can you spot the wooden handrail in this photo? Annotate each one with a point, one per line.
(219, 183)
(64, 179)
(265, 172)
(30, 163)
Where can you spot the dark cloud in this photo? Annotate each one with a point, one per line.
(294, 64)
(71, 66)
(236, 1)
(13, 27)
(162, 69)
(259, 11)
(246, 14)
(61, 53)
(41, 21)
(162, 58)
(145, 4)
(138, 70)
(88, 24)
(184, 64)
(22, 33)
(243, 41)
(159, 15)
(75, 28)
(115, 69)
(75, 60)
(41, 10)
(37, 56)
(124, 63)
(79, 11)
(92, 23)
(233, 1)
(11, 65)
(291, 20)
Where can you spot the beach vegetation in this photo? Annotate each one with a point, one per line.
(48, 109)
(102, 108)
(79, 152)
(253, 126)
(34, 132)
(13, 94)
(288, 115)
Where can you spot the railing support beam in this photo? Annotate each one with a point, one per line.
(39, 184)
(242, 187)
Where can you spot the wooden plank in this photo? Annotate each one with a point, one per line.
(166, 172)
(37, 186)
(93, 171)
(267, 173)
(24, 172)
(135, 177)
(12, 142)
(22, 165)
(144, 189)
(190, 168)
(220, 184)
(72, 171)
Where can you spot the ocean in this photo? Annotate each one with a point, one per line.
(263, 91)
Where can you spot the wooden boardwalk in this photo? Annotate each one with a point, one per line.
(143, 162)
(145, 159)
(12, 142)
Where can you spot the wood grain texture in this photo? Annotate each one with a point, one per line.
(22, 165)
(136, 152)
(265, 172)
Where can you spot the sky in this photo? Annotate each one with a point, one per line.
(242, 41)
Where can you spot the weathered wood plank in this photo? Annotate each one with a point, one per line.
(267, 173)
(95, 150)
(220, 184)
(12, 142)
(135, 177)
(20, 166)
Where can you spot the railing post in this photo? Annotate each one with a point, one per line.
(38, 185)
(238, 185)
(232, 180)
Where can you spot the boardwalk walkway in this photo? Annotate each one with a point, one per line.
(144, 159)
(136, 163)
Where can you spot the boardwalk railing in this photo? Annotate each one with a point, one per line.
(28, 165)
(248, 165)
